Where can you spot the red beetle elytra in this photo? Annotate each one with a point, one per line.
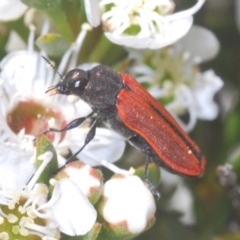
(119, 100)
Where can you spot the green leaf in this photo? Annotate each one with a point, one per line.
(43, 145)
(55, 45)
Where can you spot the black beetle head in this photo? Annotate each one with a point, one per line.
(72, 84)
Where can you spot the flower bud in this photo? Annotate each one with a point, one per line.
(88, 179)
(127, 205)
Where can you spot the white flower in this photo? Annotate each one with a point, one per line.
(11, 9)
(141, 24)
(127, 201)
(22, 199)
(175, 78)
(29, 212)
(25, 109)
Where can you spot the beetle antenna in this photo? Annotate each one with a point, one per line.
(52, 66)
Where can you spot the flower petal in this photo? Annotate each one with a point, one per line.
(205, 87)
(182, 201)
(15, 166)
(11, 9)
(19, 69)
(93, 12)
(170, 33)
(71, 209)
(207, 43)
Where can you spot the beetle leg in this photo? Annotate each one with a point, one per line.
(72, 124)
(146, 179)
(89, 137)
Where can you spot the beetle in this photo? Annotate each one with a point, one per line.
(120, 101)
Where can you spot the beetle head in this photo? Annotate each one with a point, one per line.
(73, 83)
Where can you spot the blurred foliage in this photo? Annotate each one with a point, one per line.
(217, 217)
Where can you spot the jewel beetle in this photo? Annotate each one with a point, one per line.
(120, 101)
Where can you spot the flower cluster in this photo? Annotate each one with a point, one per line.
(77, 201)
(30, 207)
(141, 24)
